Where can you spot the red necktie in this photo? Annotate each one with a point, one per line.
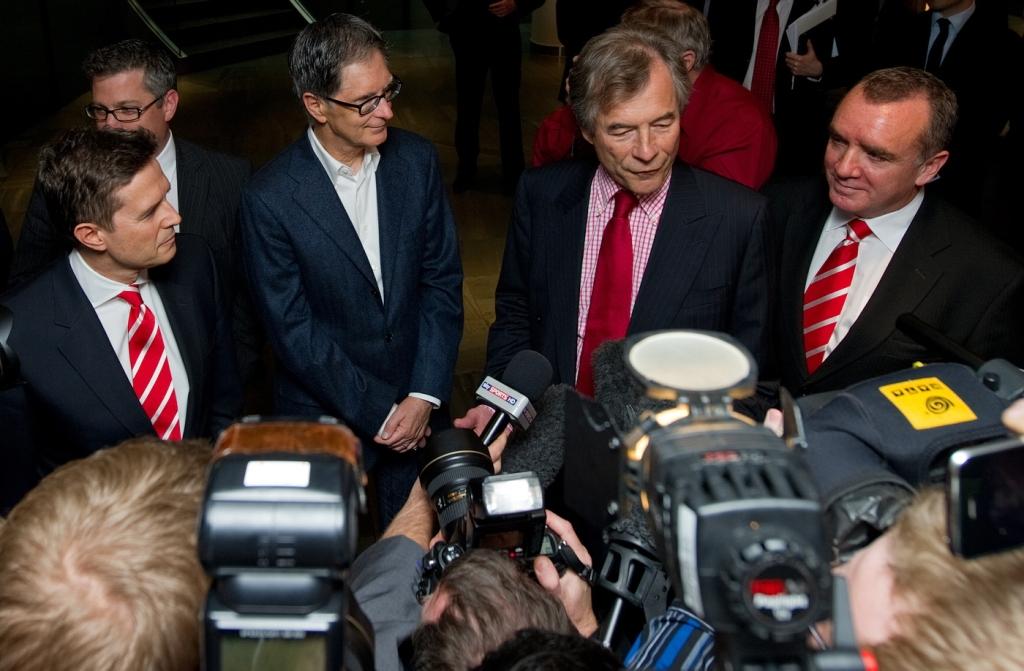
(151, 371)
(608, 317)
(826, 294)
(762, 84)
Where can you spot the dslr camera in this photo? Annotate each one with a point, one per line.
(478, 509)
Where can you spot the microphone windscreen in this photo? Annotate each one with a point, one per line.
(634, 524)
(541, 448)
(529, 373)
(618, 390)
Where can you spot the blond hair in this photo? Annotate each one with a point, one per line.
(961, 613)
(98, 564)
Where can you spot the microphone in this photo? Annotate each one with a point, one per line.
(526, 377)
(542, 449)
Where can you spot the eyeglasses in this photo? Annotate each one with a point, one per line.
(122, 114)
(372, 103)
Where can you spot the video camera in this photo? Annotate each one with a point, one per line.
(277, 531)
(478, 509)
(735, 513)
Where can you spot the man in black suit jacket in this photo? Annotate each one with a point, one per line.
(134, 87)
(71, 329)
(922, 256)
(353, 258)
(977, 60)
(704, 234)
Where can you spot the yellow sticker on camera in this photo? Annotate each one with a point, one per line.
(928, 403)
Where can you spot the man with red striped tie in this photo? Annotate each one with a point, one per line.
(878, 244)
(123, 336)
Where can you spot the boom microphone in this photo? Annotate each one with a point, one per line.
(527, 376)
(542, 449)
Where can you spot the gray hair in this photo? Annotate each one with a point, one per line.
(681, 22)
(898, 84)
(158, 73)
(323, 48)
(615, 66)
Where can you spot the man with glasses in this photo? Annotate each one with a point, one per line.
(134, 88)
(353, 258)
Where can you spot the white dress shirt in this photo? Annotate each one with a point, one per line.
(101, 292)
(873, 258)
(783, 9)
(168, 160)
(956, 24)
(357, 192)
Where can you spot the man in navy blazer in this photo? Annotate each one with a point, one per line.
(71, 328)
(702, 235)
(352, 256)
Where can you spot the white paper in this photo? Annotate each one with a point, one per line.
(812, 19)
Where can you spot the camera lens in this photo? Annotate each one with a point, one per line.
(450, 461)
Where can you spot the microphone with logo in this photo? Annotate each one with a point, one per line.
(526, 377)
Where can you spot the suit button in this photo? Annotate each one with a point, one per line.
(387, 337)
(374, 292)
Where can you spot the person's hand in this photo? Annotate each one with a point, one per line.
(502, 8)
(572, 590)
(805, 65)
(1013, 417)
(475, 419)
(773, 421)
(407, 426)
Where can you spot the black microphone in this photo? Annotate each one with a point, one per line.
(526, 377)
(542, 448)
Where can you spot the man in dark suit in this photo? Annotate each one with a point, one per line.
(968, 46)
(688, 252)
(751, 46)
(134, 87)
(875, 243)
(125, 335)
(352, 256)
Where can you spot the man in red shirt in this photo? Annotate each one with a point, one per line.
(723, 129)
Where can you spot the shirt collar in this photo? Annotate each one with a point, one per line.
(889, 228)
(98, 288)
(608, 187)
(336, 168)
(168, 158)
(958, 20)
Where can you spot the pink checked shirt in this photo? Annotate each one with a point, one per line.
(643, 224)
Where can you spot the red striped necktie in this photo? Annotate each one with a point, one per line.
(608, 317)
(826, 294)
(151, 371)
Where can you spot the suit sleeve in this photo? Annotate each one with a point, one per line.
(750, 309)
(998, 333)
(226, 386)
(440, 295)
(510, 332)
(301, 343)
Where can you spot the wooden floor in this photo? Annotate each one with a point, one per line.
(248, 109)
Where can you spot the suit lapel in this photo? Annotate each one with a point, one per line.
(910, 275)
(85, 346)
(392, 178)
(193, 188)
(565, 269)
(680, 244)
(315, 195)
(184, 319)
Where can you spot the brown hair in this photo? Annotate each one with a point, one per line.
(898, 84)
(158, 73)
(81, 171)
(616, 65)
(685, 25)
(961, 613)
(490, 598)
(98, 564)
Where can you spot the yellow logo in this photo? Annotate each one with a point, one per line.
(927, 403)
